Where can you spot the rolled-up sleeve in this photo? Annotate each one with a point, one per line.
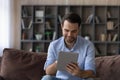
(90, 58)
(50, 56)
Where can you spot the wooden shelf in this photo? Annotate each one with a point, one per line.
(94, 27)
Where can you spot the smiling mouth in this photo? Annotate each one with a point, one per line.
(70, 39)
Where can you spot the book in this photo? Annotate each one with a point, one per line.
(26, 24)
(60, 19)
(64, 58)
(108, 14)
(54, 35)
(30, 24)
(24, 12)
(97, 52)
(67, 10)
(115, 37)
(97, 20)
(116, 26)
(90, 18)
(22, 22)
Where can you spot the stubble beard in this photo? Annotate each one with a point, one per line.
(70, 40)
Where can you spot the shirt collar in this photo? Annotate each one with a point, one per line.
(73, 48)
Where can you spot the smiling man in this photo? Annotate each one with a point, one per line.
(71, 42)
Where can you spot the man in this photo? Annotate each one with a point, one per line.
(71, 42)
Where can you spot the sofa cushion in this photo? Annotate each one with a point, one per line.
(22, 65)
(108, 67)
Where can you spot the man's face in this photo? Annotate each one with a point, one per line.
(70, 31)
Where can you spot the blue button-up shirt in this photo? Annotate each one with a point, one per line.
(84, 48)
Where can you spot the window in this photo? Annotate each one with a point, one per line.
(4, 24)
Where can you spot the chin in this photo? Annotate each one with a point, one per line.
(70, 41)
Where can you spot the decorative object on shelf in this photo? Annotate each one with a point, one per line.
(109, 37)
(24, 35)
(103, 37)
(87, 37)
(39, 13)
(39, 19)
(47, 24)
(30, 49)
(110, 25)
(37, 49)
(48, 35)
(38, 36)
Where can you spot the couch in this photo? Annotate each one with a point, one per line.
(23, 65)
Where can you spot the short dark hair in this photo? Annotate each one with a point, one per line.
(73, 18)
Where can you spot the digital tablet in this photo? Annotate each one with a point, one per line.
(64, 58)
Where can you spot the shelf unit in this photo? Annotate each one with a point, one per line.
(100, 23)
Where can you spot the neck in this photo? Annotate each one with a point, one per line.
(69, 45)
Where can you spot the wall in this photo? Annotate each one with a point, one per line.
(71, 2)
(18, 3)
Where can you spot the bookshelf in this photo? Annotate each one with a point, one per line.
(99, 23)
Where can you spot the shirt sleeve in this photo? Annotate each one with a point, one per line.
(90, 58)
(50, 56)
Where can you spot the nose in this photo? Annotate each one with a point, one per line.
(69, 33)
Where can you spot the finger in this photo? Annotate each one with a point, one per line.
(68, 69)
(74, 65)
(69, 66)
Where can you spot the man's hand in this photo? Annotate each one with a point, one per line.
(74, 69)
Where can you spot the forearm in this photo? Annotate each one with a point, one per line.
(51, 69)
(86, 74)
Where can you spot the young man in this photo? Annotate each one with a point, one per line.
(71, 42)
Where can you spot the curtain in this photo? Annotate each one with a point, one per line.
(4, 25)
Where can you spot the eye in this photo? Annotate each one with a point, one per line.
(66, 30)
(74, 31)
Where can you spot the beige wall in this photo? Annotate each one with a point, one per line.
(18, 3)
(71, 2)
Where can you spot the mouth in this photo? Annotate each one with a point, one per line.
(70, 39)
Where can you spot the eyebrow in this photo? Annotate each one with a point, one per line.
(70, 30)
